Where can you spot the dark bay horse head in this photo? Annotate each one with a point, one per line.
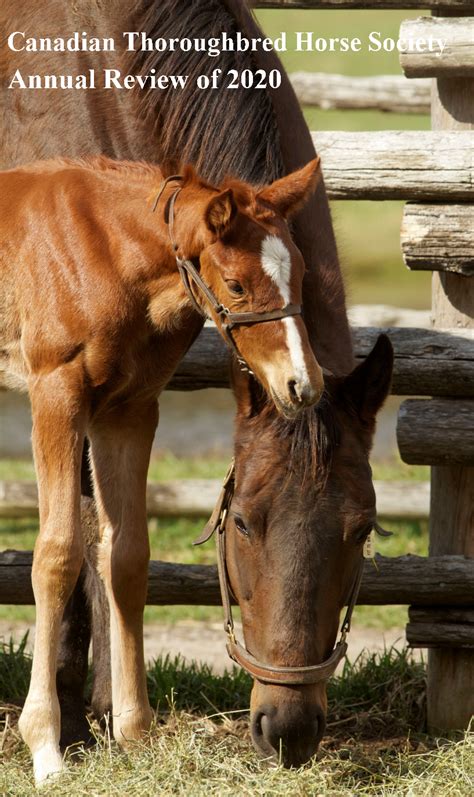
(303, 507)
(239, 238)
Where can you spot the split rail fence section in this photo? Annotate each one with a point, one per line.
(433, 172)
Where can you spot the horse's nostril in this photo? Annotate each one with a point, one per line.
(292, 390)
(257, 724)
(259, 732)
(301, 392)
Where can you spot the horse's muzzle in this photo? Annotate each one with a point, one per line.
(295, 398)
(291, 739)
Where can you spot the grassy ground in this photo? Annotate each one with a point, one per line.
(375, 742)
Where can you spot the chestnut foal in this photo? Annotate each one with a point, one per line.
(97, 310)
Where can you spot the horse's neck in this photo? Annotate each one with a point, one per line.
(144, 224)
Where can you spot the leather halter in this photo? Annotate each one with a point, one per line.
(287, 676)
(190, 275)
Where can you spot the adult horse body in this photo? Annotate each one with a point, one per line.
(259, 136)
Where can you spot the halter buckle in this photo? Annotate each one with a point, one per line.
(223, 313)
(222, 520)
(229, 629)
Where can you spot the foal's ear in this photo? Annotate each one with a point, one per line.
(220, 213)
(290, 193)
(368, 385)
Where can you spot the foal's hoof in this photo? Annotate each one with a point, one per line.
(47, 764)
(131, 727)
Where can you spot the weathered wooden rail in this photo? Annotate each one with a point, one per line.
(441, 626)
(439, 237)
(445, 580)
(457, 58)
(428, 363)
(194, 498)
(436, 432)
(397, 164)
(390, 93)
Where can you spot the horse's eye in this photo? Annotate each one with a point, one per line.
(362, 534)
(240, 525)
(235, 287)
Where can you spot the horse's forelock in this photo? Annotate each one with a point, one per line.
(307, 442)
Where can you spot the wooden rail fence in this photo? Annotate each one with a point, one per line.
(457, 58)
(391, 93)
(193, 498)
(397, 164)
(427, 362)
(445, 580)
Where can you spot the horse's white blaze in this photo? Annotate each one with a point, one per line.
(276, 262)
(295, 347)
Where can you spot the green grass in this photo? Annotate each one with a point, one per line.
(337, 23)
(162, 467)
(368, 236)
(168, 466)
(360, 689)
(375, 742)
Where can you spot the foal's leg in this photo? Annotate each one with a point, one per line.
(59, 419)
(121, 444)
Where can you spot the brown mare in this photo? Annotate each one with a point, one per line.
(300, 514)
(96, 316)
(258, 136)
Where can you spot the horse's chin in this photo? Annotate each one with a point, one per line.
(284, 408)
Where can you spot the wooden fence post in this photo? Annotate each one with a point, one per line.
(451, 670)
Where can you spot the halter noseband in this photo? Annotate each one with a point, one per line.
(189, 274)
(287, 676)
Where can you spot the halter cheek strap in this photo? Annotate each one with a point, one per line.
(190, 276)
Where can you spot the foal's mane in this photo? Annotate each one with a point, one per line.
(189, 125)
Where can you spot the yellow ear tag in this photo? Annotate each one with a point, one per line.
(369, 546)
